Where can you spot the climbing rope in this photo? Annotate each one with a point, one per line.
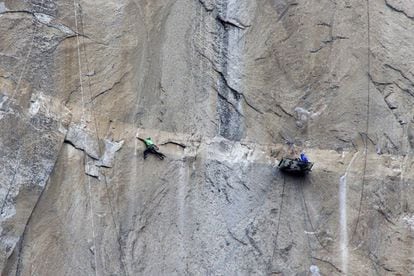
(92, 111)
(280, 210)
(22, 73)
(367, 120)
(304, 222)
(306, 212)
(29, 53)
(85, 150)
(275, 245)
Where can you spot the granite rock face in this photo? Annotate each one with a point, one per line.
(225, 88)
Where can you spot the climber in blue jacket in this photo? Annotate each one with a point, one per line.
(304, 158)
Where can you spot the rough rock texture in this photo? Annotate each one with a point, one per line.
(223, 87)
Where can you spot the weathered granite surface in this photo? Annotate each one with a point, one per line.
(223, 87)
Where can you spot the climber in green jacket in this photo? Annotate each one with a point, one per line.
(151, 148)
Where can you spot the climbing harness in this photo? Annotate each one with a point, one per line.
(152, 148)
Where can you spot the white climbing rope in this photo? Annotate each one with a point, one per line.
(16, 169)
(367, 120)
(29, 53)
(85, 150)
(93, 117)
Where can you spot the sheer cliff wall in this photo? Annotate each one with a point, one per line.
(224, 87)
